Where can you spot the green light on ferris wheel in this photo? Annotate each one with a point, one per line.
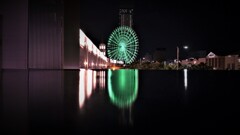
(123, 44)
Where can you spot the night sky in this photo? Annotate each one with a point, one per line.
(202, 25)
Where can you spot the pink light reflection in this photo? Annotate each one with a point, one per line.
(81, 87)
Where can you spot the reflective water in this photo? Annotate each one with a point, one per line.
(118, 101)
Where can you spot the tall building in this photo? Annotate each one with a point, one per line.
(125, 17)
(40, 34)
(102, 48)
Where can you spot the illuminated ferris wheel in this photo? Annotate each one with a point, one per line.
(123, 44)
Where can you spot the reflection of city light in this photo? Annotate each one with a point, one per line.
(81, 88)
(89, 82)
(185, 79)
(102, 79)
(85, 63)
(94, 79)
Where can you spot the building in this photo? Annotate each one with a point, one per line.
(193, 61)
(40, 34)
(90, 56)
(125, 17)
(102, 48)
(217, 62)
(228, 62)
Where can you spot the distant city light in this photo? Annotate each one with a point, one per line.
(185, 47)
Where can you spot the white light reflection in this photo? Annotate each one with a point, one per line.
(185, 79)
(102, 80)
(89, 82)
(94, 79)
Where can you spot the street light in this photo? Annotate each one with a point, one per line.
(184, 47)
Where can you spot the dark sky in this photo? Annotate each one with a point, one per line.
(202, 25)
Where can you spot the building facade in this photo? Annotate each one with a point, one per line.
(45, 34)
(228, 62)
(102, 48)
(125, 17)
(40, 34)
(14, 34)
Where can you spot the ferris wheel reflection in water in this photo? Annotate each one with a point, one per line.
(123, 90)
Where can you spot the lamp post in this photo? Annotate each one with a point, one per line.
(184, 47)
(177, 56)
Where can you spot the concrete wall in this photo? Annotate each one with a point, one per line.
(15, 34)
(45, 34)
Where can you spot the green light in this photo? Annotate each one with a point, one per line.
(123, 86)
(123, 44)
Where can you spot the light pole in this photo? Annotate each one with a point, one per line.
(184, 47)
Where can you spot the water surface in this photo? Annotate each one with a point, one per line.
(118, 101)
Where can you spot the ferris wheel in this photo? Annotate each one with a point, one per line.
(123, 45)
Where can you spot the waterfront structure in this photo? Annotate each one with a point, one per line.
(90, 56)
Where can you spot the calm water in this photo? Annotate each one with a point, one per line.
(120, 101)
